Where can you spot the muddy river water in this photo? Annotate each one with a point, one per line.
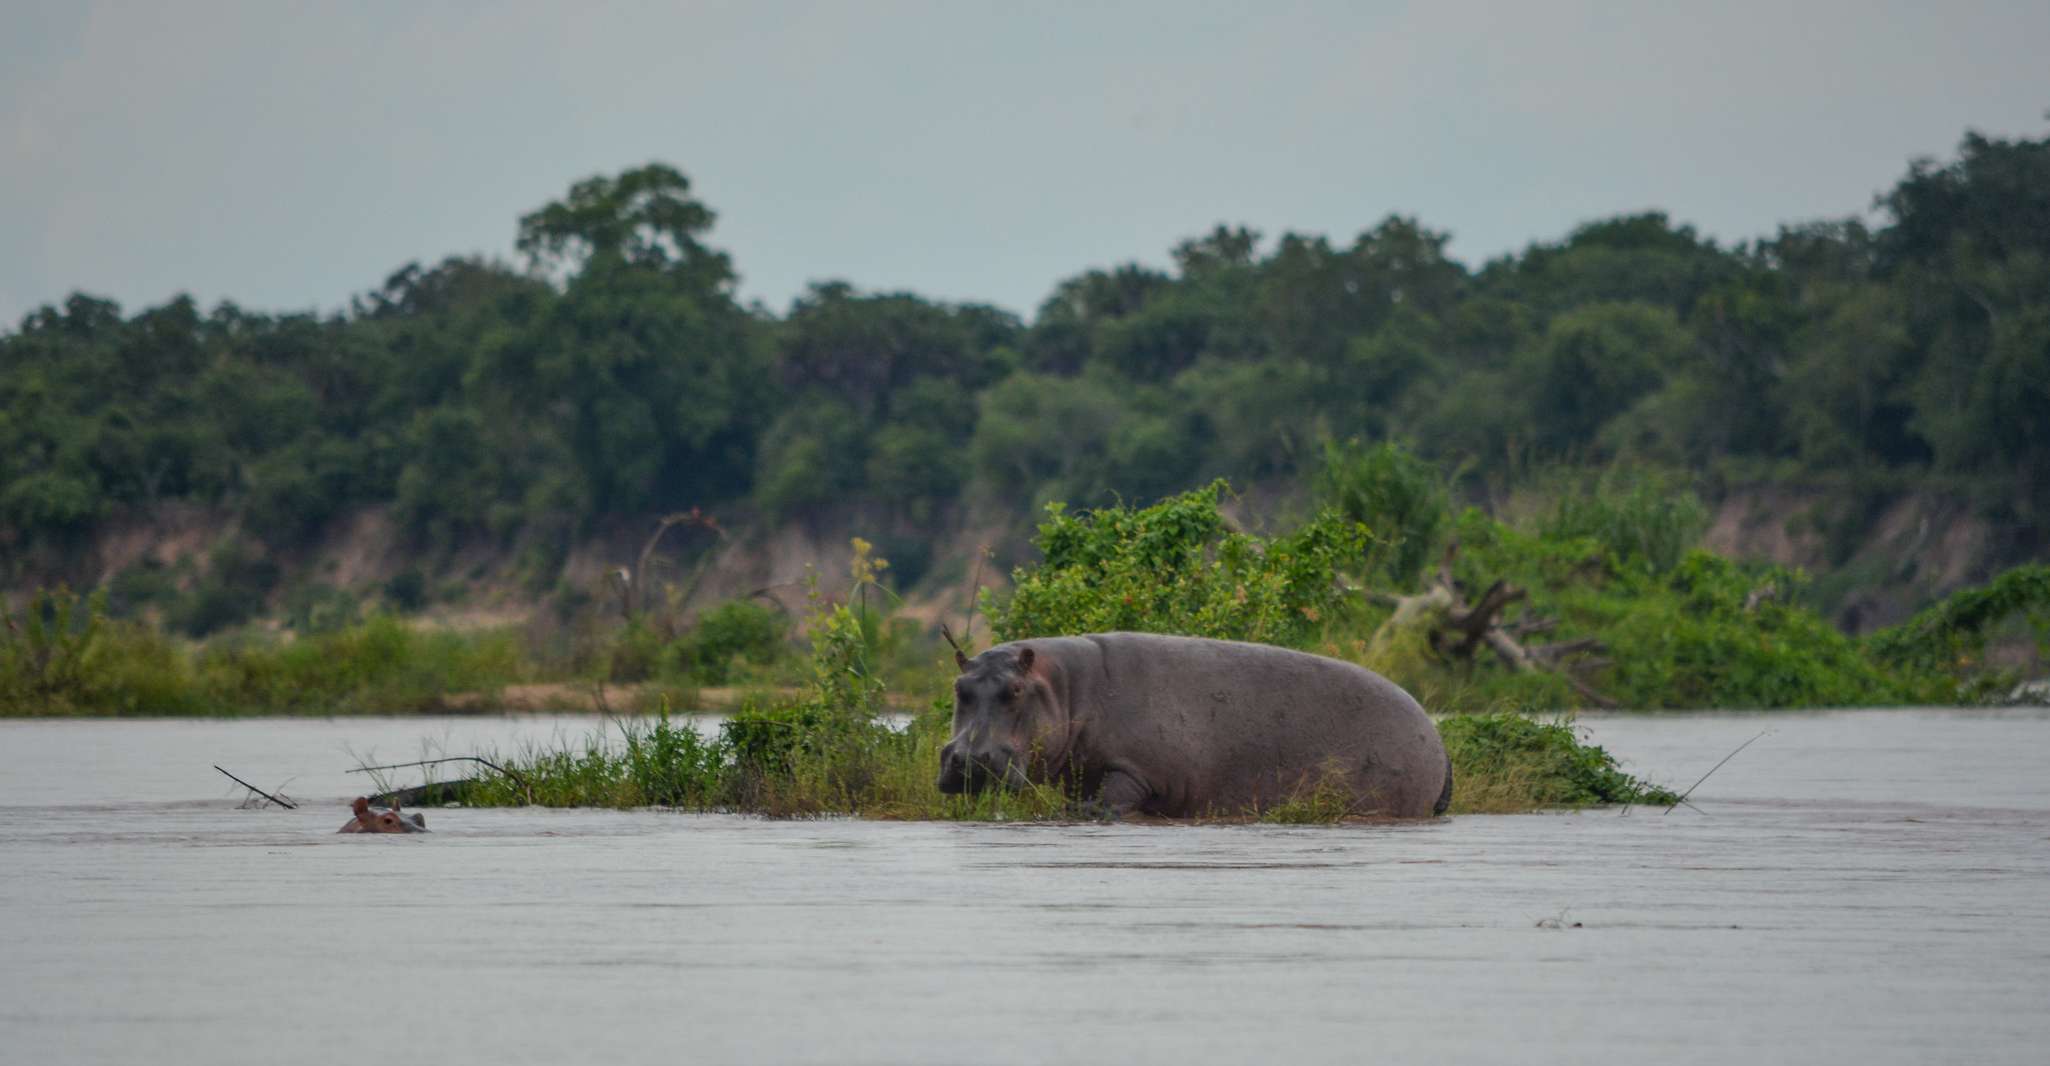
(1857, 887)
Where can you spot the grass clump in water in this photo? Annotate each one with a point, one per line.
(1327, 800)
(1513, 762)
(834, 751)
(784, 761)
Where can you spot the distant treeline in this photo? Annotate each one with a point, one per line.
(617, 374)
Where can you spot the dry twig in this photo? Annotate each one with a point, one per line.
(286, 804)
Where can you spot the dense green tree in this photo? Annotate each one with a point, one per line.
(812, 455)
(645, 369)
(617, 374)
(1594, 363)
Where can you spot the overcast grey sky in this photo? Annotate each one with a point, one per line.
(287, 156)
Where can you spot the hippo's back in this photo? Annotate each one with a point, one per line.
(1226, 726)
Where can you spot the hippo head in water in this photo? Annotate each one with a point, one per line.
(1006, 722)
(372, 820)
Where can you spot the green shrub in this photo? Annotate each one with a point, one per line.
(51, 503)
(1951, 636)
(45, 651)
(407, 590)
(232, 591)
(381, 665)
(319, 608)
(135, 669)
(1649, 523)
(1175, 568)
(635, 652)
(1704, 632)
(62, 655)
(140, 587)
(740, 629)
(1697, 638)
(1512, 761)
(659, 763)
(1392, 492)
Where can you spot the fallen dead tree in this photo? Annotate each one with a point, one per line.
(1455, 629)
(434, 792)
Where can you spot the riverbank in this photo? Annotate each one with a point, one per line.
(1603, 607)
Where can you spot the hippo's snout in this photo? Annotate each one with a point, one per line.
(953, 771)
(964, 771)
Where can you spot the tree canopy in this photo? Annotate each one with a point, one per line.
(617, 374)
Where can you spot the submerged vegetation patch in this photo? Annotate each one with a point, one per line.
(1514, 762)
(1502, 763)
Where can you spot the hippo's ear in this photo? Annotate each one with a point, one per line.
(361, 806)
(1025, 659)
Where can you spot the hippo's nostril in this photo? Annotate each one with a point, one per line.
(953, 770)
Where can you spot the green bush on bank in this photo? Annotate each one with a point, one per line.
(739, 630)
(1644, 522)
(1390, 490)
(1702, 632)
(380, 666)
(1175, 567)
(65, 656)
(1950, 637)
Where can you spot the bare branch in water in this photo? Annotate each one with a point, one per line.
(517, 779)
(286, 804)
(1711, 770)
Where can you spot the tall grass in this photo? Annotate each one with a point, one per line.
(65, 656)
(1502, 763)
(1513, 762)
(1644, 520)
(382, 665)
(1389, 490)
(769, 760)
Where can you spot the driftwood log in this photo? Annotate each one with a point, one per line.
(1458, 629)
(431, 794)
(436, 792)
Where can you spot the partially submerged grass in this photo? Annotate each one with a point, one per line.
(779, 763)
(774, 761)
(1504, 763)
(1326, 800)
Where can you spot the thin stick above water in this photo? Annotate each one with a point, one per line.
(1712, 770)
(282, 803)
(974, 588)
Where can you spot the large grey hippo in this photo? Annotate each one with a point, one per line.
(1184, 727)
